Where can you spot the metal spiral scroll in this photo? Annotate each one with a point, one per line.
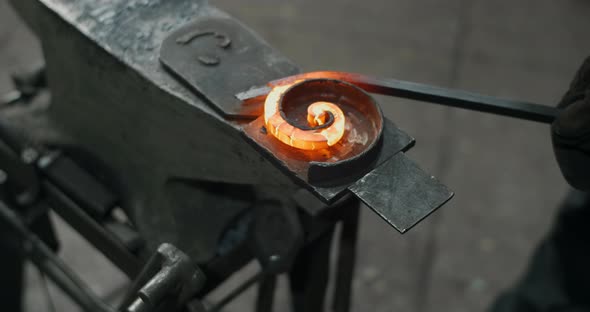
(325, 122)
(316, 114)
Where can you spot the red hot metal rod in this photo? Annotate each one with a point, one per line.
(425, 93)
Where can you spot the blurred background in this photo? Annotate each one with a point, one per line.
(502, 170)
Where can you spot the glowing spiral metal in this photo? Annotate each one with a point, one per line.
(326, 122)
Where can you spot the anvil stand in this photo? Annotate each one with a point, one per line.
(309, 274)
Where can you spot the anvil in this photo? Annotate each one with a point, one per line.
(164, 122)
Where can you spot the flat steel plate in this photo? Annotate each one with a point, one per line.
(401, 193)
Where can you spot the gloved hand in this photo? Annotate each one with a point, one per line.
(571, 131)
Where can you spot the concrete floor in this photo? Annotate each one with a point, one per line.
(506, 181)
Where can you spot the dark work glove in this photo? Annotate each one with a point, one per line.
(571, 131)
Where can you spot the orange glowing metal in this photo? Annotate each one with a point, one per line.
(317, 115)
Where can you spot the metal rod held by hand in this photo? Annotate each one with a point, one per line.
(424, 93)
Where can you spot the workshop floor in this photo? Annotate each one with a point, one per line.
(506, 181)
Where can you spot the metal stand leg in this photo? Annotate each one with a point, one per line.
(266, 294)
(11, 272)
(309, 275)
(346, 257)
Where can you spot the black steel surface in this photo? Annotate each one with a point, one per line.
(411, 195)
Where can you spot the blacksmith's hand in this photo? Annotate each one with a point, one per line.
(571, 131)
